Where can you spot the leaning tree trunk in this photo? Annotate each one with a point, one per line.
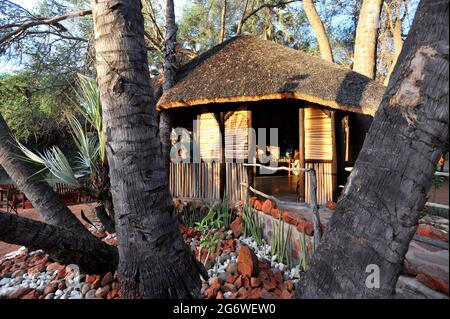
(377, 215)
(396, 29)
(40, 193)
(319, 30)
(63, 245)
(223, 21)
(154, 260)
(170, 68)
(365, 55)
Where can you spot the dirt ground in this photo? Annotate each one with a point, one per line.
(33, 214)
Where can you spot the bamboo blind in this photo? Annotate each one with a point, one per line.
(236, 136)
(202, 180)
(318, 137)
(319, 153)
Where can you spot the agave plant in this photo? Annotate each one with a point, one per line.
(90, 145)
(89, 170)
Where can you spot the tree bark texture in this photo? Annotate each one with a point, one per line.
(365, 55)
(63, 245)
(170, 68)
(319, 30)
(377, 214)
(154, 260)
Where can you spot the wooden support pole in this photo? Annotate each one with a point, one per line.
(334, 164)
(223, 168)
(301, 148)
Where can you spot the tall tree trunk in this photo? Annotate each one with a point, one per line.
(396, 29)
(39, 192)
(319, 30)
(377, 214)
(365, 55)
(223, 20)
(63, 245)
(154, 260)
(241, 21)
(170, 68)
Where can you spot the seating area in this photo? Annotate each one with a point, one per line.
(11, 198)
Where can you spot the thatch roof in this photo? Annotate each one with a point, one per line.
(246, 69)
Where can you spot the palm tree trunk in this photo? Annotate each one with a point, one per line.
(40, 193)
(319, 30)
(63, 245)
(170, 67)
(365, 55)
(154, 260)
(377, 214)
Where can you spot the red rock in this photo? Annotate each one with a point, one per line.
(231, 279)
(220, 295)
(55, 267)
(279, 277)
(306, 227)
(50, 288)
(290, 285)
(269, 286)
(257, 205)
(278, 292)
(431, 232)
(243, 293)
(255, 282)
(102, 292)
(61, 285)
(433, 277)
(96, 283)
(19, 293)
(116, 286)
(112, 294)
(60, 274)
(183, 229)
(252, 201)
(246, 282)
(290, 217)
(286, 295)
(237, 227)
(34, 294)
(267, 206)
(238, 282)
(36, 269)
(247, 262)
(228, 287)
(107, 279)
(276, 213)
(90, 278)
(255, 293)
(331, 205)
(212, 291)
(408, 268)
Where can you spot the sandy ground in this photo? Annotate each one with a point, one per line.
(33, 214)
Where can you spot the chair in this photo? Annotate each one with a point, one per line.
(11, 198)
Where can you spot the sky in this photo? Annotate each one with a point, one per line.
(30, 4)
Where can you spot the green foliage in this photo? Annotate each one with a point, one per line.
(281, 246)
(32, 113)
(191, 217)
(90, 146)
(304, 256)
(252, 225)
(218, 216)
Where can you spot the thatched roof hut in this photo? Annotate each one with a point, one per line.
(247, 69)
